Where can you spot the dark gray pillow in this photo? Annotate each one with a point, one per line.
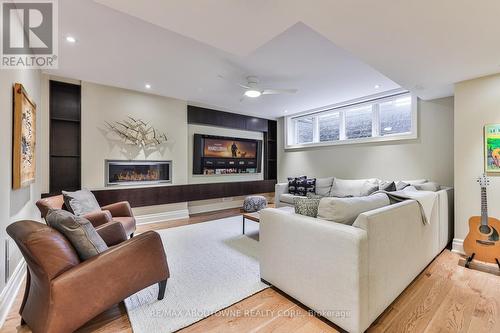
(79, 231)
(387, 186)
(81, 202)
(293, 184)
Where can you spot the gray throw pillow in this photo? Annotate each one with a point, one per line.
(307, 207)
(81, 202)
(79, 231)
(429, 186)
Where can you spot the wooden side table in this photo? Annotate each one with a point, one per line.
(255, 216)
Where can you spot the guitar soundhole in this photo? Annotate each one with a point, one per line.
(484, 229)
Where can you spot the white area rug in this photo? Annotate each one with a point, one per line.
(212, 266)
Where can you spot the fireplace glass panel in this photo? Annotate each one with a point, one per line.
(138, 172)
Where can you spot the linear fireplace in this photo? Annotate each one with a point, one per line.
(138, 172)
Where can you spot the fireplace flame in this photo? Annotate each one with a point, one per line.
(133, 176)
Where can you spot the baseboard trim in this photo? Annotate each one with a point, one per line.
(9, 293)
(457, 246)
(161, 217)
(213, 207)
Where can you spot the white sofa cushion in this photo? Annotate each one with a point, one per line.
(289, 198)
(323, 186)
(346, 210)
(353, 187)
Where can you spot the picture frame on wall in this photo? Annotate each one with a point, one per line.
(24, 139)
(492, 148)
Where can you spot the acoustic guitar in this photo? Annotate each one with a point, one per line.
(482, 242)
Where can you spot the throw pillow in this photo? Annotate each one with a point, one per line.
(305, 186)
(292, 184)
(387, 186)
(324, 186)
(429, 186)
(306, 206)
(79, 231)
(401, 185)
(346, 210)
(81, 202)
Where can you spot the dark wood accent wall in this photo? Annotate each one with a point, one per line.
(204, 116)
(160, 195)
(65, 134)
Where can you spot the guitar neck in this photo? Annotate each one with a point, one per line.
(484, 207)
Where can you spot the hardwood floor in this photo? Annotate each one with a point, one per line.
(446, 297)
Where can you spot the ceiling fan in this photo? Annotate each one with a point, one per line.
(253, 90)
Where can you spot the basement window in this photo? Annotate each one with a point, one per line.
(390, 117)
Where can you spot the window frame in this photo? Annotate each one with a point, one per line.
(289, 124)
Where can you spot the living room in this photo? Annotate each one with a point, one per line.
(235, 166)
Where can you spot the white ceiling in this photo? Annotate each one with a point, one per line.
(321, 47)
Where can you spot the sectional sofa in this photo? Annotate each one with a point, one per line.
(350, 274)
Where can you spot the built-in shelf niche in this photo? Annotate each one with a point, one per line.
(65, 137)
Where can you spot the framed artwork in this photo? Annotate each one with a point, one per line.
(492, 148)
(23, 141)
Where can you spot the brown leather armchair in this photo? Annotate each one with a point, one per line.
(119, 211)
(62, 293)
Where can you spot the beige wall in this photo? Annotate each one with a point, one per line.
(15, 204)
(429, 156)
(103, 103)
(477, 103)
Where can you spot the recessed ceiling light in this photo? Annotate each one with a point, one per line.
(147, 86)
(286, 111)
(252, 93)
(70, 39)
(377, 86)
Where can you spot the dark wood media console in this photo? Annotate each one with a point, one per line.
(160, 195)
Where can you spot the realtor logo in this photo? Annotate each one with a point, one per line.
(29, 34)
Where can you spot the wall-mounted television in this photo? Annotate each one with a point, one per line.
(220, 155)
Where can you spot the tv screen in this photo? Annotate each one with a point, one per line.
(230, 148)
(224, 155)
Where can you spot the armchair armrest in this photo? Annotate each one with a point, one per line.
(110, 277)
(99, 218)
(119, 209)
(112, 233)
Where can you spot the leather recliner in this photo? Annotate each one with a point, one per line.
(63, 293)
(120, 212)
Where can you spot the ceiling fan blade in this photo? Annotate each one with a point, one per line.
(245, 86)
(279, 91)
